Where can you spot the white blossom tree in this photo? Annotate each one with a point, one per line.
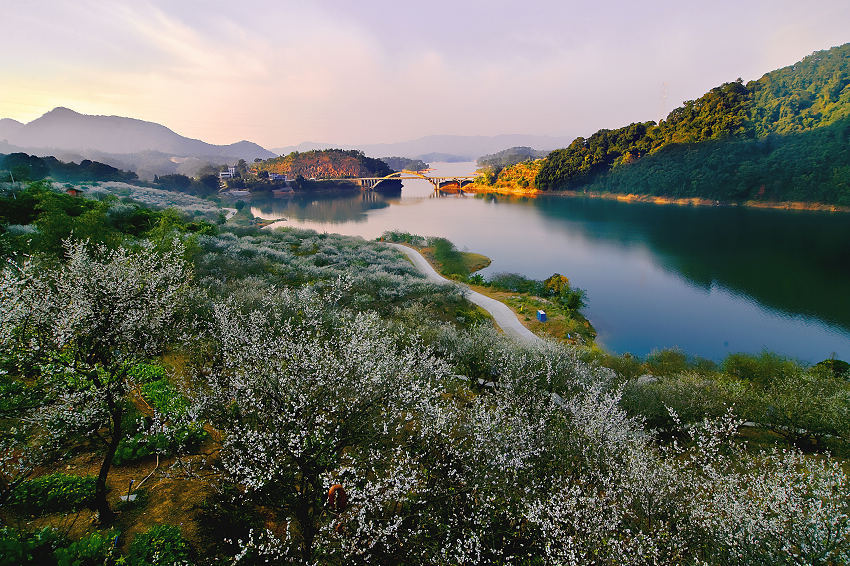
(307, 396)
(83, 324)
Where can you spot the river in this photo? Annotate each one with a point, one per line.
(708, 280)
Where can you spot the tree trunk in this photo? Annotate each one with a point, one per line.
(105, 513)
(304, 516)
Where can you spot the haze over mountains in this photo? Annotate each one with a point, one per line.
(62, 128)
(152, 149)
(145, 147)
(443, 147)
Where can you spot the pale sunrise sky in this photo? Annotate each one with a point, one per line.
(281, 72)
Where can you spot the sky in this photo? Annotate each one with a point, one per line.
(348, 72)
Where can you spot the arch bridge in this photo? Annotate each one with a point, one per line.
(440, 183)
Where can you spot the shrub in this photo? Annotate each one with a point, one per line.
(838, 368)
(142, 443)
(96, 549)
(21, 548)
(161, 545)
(690, 395)
(13, 394)
(164, 398)
(403, 237)
(667, 362)
(53, 493)
(627, 366)
(146, 373)
(516, 283)
(761, 370)
(449, 258)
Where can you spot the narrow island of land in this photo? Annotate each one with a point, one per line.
(502, 315)
(511, 299)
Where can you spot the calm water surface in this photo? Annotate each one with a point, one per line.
(710, 281)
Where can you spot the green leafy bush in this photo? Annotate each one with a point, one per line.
(691, 395)
(13, 395)
(140, 445)
(164, 398)
(141, 442)
(162, 545)
(146, 373)
(761, 370)
(96, 549)
(449, 258)
(22, 548)
(135, 448)
(667, 362)
(403, 238)
(53, 493)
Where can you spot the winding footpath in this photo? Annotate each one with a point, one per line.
(504, 317)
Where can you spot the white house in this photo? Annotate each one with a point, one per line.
(229, 174)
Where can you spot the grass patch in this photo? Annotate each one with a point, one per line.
(442, 254)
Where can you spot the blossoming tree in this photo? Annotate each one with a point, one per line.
(308, 397)
(82, 325)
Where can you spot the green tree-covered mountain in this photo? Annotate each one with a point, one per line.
(741, 129)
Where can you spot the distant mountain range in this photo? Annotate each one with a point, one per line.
(64, 129)
(128, 143)
(152, 149)
(442, 148)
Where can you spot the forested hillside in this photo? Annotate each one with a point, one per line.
(23, 167)
(811, 166)
(324, 164)
(752, 119)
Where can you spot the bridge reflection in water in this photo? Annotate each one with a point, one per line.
(338, 207)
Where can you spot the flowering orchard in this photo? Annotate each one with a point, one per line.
(352, 413)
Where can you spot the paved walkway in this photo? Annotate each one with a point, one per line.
(504, 317)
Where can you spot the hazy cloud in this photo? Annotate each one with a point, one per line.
(350, 72)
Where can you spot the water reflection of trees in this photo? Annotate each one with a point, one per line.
(320, 207)
(797, 263)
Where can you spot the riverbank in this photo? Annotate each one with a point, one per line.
(558, 326)
(562, 323)
(659, 200)
(501, 190)
(503, 315)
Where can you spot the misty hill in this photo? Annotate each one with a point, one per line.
(510, 156)
(405, 164)
(9, 127)
(443, 147)
(122, 142)
(748, 133)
